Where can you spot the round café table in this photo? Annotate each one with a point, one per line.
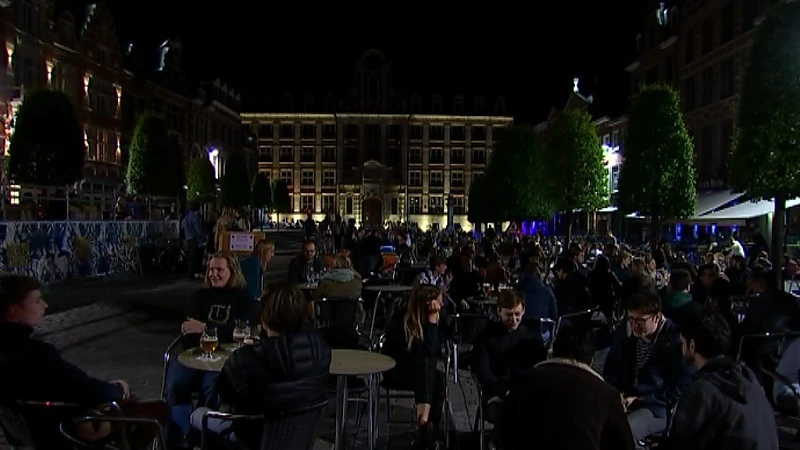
(345, 363)
(190, 358)
(392, 288)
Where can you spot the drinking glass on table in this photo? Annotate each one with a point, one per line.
(209, 342)
(241, 332)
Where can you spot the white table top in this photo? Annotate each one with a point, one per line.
(189, 358)
(389, 288)
(359, 362)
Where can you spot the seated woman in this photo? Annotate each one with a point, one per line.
(288, 369)
(341, 281)
(412, 339)
(220, 304)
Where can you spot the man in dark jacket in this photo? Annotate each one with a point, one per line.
(646, 365)
(305, 263)
(563, 404)
(504, 349)
(724, 407)
(34, 371)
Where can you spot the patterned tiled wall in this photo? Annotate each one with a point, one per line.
(56, 251)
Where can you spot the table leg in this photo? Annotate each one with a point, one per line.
(371, 411)
(455, 362)
(374, 313)
(341, 411)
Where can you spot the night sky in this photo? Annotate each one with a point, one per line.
(527, 51)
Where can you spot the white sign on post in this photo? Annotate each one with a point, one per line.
(241, 242)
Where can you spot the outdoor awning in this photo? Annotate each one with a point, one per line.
(607, 209)
(746, 210)
(709, 201)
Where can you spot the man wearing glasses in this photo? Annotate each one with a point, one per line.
(646, 365)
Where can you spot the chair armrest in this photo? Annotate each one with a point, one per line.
(172, 346)
(111, 406)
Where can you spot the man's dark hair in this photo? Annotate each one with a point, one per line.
(437, 261)
(575, 342)
(644, 301)
(709, 331)
(14, 288)
(680, 280)
(710, 268)
(565, 265)
(310, 241)
(637, 283)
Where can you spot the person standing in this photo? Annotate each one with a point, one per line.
(194, 239)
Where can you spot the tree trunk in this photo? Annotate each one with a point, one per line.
(570, 218)
(778, 227)
(655, 231)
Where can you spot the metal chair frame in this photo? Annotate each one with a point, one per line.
(160, 442)
(166, 357)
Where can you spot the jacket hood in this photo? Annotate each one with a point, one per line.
(340, 275)
(732, 379)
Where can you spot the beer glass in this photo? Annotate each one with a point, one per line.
(241, 331)
(209, 342)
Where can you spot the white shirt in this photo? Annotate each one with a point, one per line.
(736, 248)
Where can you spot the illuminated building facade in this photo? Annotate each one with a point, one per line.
(376, 156)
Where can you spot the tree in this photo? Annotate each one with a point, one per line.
(47, 147)
(235, 182)
(657, 174)
(281, 201)
(201, 182)
(765, 149)
(262, 192)
(478, 201)
(155, 164)
(513, 179)
(576, 177)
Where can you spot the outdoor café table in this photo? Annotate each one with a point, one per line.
(346, 363)
(392, 288)
(190, 358)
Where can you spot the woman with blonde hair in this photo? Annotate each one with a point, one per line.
(341, 280)
(220, 304)
(412, 339)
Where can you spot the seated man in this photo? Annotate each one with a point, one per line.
(438, 276)
(288, 369)
(646, 365)
(503, 349)
(724, 407)
(305, 263)
(789, 366)
(563, 403)
(34, 371)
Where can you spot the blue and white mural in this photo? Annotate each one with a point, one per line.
(56, 251)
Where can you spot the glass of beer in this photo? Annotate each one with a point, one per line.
(209, 342)
(241, 332)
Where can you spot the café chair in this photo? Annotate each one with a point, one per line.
(172, 349)
(295, 429)
(159, 443)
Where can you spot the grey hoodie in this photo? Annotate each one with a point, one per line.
(724, 408)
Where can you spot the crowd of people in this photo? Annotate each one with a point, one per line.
(590, 345)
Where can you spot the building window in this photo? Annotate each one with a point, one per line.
(328, 204)
(415, 204)
(287, 154)
(415, 178)
(478, 133)
(708, 86)
(726, 33)
(435, 204)
(478, 156)
(265, 153)
(415, 132)
(394, 206)
(457, 133)
(329, 131)
(457, 156)
(437, 179)
(287, 176)
(614, 179)
(372, 131)
(708, 35)
(497, 134)
(415, 155)
(307, 178)
(689, 94)
(457, 179)
(458, 205)
(287, 131)
(726, 77)
(307, 203)
(350, 156)
(329, 154)
(615, 139)
(436, 156)
(309, 131)
(307, 154)
(351, 131)
(265, 131)
(436, 133)
(329, 177)
(393, 132)
(348, 205)
(688, 47)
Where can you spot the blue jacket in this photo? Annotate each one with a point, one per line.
(539, 299)
(253, 276)
(663, 377)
